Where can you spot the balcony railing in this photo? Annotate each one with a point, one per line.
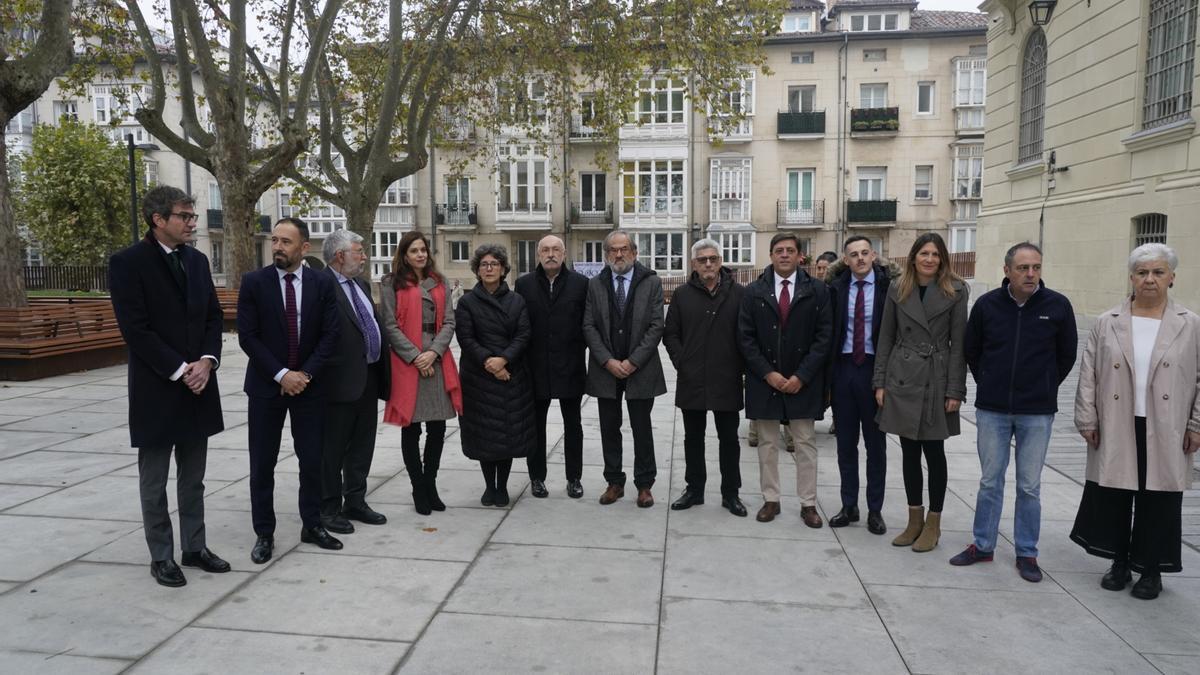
(871, 211)
(215, 219)
(742, 131)
(582, 217)
(456, 214)
(460, 130)
(796, 123)
(800, 212)
(874, 119)
(517, 209)
(969, 120)
(581, 131)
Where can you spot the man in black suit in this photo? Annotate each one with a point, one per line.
(167, 309)
(288, 325)
(356, 376)
(556, 297)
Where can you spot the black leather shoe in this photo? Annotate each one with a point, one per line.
(734, 506)
(1148, 587)
(538, 489)
(363, 514)
(262, 550)
(167, 573)
(574, 489)
(205, 560)
(337, 523)
(321, 537)
(1117, 577)
(875, 524)
(688, 499)
(848, 514)
(502, 498)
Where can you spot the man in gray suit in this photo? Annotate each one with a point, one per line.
(357, 375)
(622, 325)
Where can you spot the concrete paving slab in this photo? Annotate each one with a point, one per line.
(709, 636)
(936, 633)
(1060, 501)
(454, 534)
(1057, 553)
(114, 440)
(725, 568)
(74, 422)
(229, 534)
(236, 496)
(1173, 664)
(12, 495)
(5, 586)
(208, 650)
(32, 663)
(457, 488)
(340, 596)
(18, 389)
(561, 521)
(222, 465)
(89, 391)
(105, 497)
(116, 405)
(562, 583)
(125, 612)
(28, 406)
(9, 419)
(1163, 625)
(13, 442)
(712, 519)
(466, 643)
(34, 546)
(60, 469)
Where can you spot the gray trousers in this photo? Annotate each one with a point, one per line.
(154, 465)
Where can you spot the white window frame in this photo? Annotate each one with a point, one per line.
(593, 251)
(803, 58)
(400, 193)
(970, 82)
(1170, 58)
(797, 92)
(384, 245)
(871, 183)
(962, 238)
(873, 22)
(931, 98)
(589, 181)
(796, 23)
(66, 108)
(873, 95)
(730, 180)
(216, 258)
(673, 249)
(460, 250)
(661, 100)
(737, 248)
(150, 172)
(923, 186)
(653, 187)
(524, 255)
(968, 171)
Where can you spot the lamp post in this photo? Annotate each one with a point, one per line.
(133, 219)
(1040, 11)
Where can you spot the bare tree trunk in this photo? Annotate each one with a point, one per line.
(12, 277)
(241, 222)
(361, 205)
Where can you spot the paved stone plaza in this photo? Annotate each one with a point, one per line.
(554, 585)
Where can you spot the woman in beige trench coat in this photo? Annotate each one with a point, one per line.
(920, 377)
(1137, 408)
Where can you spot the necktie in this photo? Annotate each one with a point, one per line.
(176, 258)
(621, 295)
(293, 331)
(785, 303)
(860, 324)
(366, 323)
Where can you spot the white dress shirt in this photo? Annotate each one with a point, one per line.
(869, 308)
(791, 285)
(179, 371)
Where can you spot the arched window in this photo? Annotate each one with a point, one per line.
(1033, 97)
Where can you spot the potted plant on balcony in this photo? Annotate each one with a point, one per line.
(878, 125)
(892, 125)
(860, 125)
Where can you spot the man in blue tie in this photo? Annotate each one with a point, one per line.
(357, 376)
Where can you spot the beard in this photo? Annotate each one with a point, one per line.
(621, 267)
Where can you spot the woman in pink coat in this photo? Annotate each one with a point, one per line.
(1138, 410)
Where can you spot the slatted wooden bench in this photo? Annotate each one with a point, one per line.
(53, 336)
(228, 297)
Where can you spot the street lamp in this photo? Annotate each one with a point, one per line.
(133, 209)
(1040, 11)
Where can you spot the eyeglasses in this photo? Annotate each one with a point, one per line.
(488, 264)
(185, 216)
(709, 260)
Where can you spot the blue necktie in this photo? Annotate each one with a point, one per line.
(365, 323)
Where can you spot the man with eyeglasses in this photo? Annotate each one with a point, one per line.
(168, 313)
(622, 325)
(702, 340)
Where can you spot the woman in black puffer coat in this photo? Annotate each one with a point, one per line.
(497, 422)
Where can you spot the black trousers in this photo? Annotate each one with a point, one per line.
(154, 465)
(935, 459)
(495, 473)
(728, 453)
(644, 466)
(572, 439)
(854, 409)
(266, 429)
(1102, 525)
(349, 448)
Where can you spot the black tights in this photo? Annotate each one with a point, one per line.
(495, 473)
(410, 448)
(935, 458)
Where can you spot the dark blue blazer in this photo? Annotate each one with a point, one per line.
(840, 297)
(166, 325)
(262, 332)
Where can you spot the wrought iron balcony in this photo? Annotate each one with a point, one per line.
(456, 214)
(800, 123)
(800, 212)
(871, 211)
(593, 217)
(215, 219)
(874, 119)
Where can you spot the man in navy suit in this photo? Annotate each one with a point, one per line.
(288, 325)
(859, 292)
(167, 309)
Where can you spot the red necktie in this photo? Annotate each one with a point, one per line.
(860, 325)
(289, 313)
(785, 303)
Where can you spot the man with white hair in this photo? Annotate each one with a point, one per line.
(357, 375)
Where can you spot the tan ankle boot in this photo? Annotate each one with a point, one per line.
(930, 533)
(916, 521)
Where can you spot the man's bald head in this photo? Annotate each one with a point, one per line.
(551, 252)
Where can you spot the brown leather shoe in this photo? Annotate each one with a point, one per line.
(768, 512)
(810, 516)
(612, 494)
(645, 500)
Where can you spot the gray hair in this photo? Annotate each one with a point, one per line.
(340, 240)
(497, 251)
(1151, 252)
(703, 244)
(617, 232)
(1023, 246)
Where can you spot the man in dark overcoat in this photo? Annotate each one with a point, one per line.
(556, 296)
(168, 313)
(701, 337)
(359, 375)
(622, 325)
(785, 326)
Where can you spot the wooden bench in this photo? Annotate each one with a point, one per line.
(53, 336)
(228, 297)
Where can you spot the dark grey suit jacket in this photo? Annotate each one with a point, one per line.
(346, 370)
